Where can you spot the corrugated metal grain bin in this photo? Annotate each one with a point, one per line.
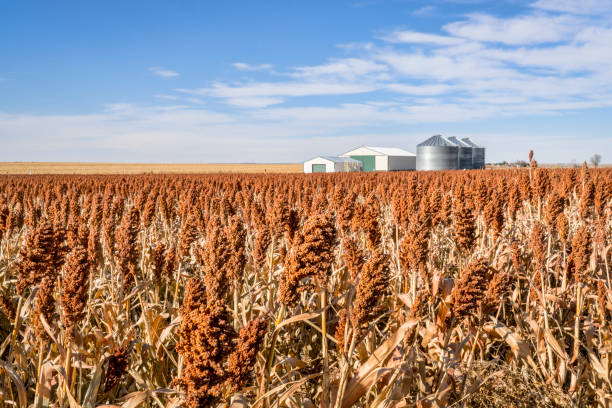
(465, 153)
(437, 153)
(478, 153)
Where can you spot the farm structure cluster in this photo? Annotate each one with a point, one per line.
(435, 153)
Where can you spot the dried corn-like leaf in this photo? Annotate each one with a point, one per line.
(367, 374)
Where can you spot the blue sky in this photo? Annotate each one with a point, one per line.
(282, 81)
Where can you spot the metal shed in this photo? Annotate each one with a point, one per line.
(478, 153)
(332, 164)
(437, 153)
(383, 158)
(465, 153)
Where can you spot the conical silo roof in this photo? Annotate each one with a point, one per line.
(470, 142)
(458, 142)
(437, 140)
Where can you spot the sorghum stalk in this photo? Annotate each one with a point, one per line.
(323, 297)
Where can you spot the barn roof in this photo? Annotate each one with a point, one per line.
(337, 159)
(383, 151)
(391, 151)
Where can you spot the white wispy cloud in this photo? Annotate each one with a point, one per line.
(254, 101)
(484, 67)
(166, 97)
(552, 58)
(196, 101)
(528, 29)
(126, 132)
(356, 46)
(280, 89)
(243, 66)
(548, 63)
(413, 37)
(164, 73)
(444, 67)
(587, 53)
(433, 89)
(424, 11)
(575, 6)
(348, 68)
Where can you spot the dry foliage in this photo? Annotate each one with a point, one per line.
(471, 288)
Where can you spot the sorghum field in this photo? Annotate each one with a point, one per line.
(141, 168)
(462, 288)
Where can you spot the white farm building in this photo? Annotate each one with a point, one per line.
(332, 164)
(383, 158)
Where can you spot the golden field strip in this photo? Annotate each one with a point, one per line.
(144, 168)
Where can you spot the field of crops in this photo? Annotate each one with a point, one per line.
(145, 168)
(460, 288)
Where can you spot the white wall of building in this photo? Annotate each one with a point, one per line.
(386, 159)
(401, 163)
(332, 166)
(381, 163)
(329, 165)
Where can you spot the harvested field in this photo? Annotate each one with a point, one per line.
(144, 168)
(408, 289)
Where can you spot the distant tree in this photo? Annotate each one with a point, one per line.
(595, 160)
(520, 163)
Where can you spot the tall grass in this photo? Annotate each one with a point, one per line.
(472, 288)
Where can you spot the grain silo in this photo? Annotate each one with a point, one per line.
(465, 153)
(478, 153)
(437, 153)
